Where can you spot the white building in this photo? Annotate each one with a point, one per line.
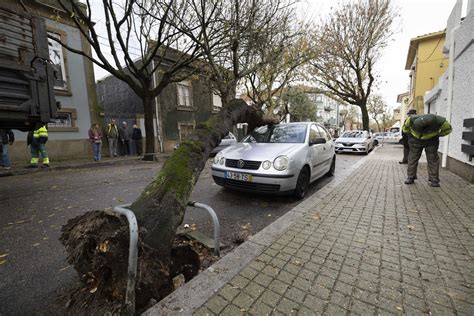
(458, 147)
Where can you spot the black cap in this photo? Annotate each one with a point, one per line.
(412, 111)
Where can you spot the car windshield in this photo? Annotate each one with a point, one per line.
(355, 134)
(295, 133)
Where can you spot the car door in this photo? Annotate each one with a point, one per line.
(327, 148)
(317, 152)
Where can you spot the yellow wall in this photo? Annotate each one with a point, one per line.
(430, 65)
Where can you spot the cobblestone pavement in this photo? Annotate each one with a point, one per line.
(372, 245)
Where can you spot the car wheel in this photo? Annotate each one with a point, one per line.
(376, 142)
(333, 167)
(302, 184)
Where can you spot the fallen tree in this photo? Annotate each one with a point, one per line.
(95, 242)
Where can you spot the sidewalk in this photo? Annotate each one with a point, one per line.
(365, 244)
(21, 168)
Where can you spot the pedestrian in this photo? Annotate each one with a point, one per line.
(424, 132)
(6, 139)
(137, 139)
(124, 136)
(406, 147)
(95, 136)
(112, 137)
(38, 141)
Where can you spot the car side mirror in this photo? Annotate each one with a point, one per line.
(318, 140)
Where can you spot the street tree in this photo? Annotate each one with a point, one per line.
(299, 105)
(376, 107)
(349, 43)
(228, 35)
(137, 39)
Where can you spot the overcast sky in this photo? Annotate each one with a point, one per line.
(418, 17)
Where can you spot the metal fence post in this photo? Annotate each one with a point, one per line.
(217, 229)
(132, 257)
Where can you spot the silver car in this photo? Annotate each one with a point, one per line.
(355, 141)
(283, 158)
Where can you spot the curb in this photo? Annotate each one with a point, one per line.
(24, 171)
(188, 298)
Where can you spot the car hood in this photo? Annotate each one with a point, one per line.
(259, 151)
(350, 140)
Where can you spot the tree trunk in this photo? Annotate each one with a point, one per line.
(365, 116)
(97, 242)
(149, 111)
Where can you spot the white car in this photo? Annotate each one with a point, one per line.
(283, 158)
(387, 137)
(228, 140)
(355, 142)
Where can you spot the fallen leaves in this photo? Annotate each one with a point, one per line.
(2, 261)
(411, 227)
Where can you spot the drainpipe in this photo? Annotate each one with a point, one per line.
(157, 112)
(450, 94)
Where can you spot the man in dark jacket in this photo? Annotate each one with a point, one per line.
(124, 137)
(406, 147)
(7, 138)
(137, 139)
(423, 133)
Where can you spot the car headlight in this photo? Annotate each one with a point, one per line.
(217, 158)
(266, 165)
(281, 163)
(222, 161)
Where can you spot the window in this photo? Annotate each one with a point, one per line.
(294, 133)
(64, 122)
(64, 119)
(324, 133)
(184, 94)
(57, 59)
(185, 130)
(314, 133)
(216, 101)
(319, 98)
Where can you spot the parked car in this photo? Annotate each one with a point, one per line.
(280, 159)
(387, 137)
(355, 141)
(228, 140)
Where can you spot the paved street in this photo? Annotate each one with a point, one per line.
(34, 207)
(370, 245)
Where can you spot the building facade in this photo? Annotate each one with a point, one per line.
(456, 104)
(74, 88)
(178, 108)
(426, 62)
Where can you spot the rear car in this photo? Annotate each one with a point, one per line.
(228, 140)
(355, 142)
(278, 159)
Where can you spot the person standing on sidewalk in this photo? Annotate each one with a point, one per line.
(7, 138)
(406, 147)
(95, 136)
(124, 136)
(424, 132)
(38, 147)
(112, 137)
(137, 139)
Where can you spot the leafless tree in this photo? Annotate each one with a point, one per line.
(140, 37)
(230, 36)
(349, 42)
(376, 107)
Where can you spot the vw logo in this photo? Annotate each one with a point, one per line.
(241, 163)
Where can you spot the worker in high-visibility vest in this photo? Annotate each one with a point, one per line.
(424, 132)
(38, 147)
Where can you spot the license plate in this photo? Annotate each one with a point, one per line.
(238, 176)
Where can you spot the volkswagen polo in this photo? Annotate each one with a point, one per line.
(282, 159)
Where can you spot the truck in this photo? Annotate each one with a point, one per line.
(27, 98)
